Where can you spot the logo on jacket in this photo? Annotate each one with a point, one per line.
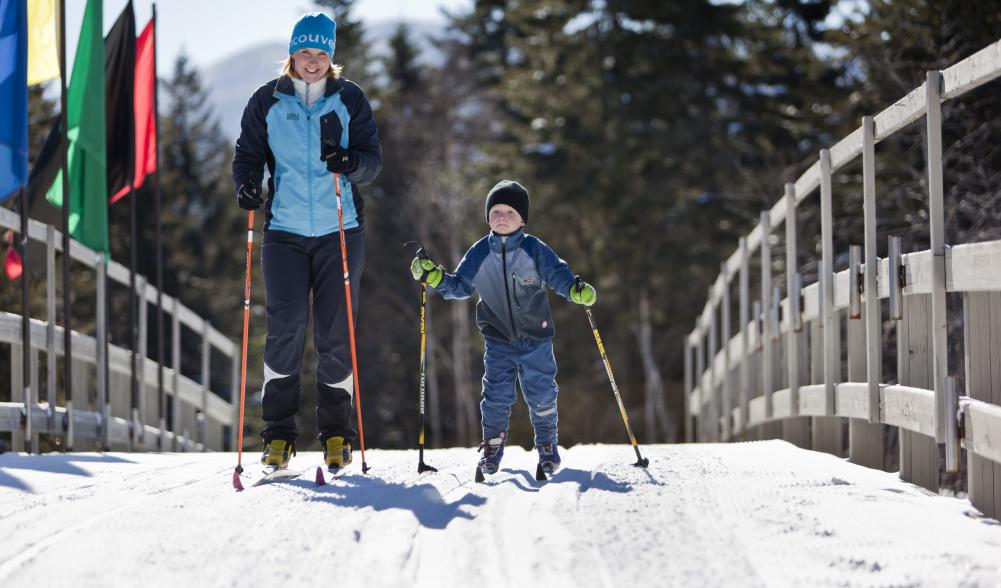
(292, 116)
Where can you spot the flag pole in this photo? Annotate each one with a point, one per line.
(26, 378)
(138, 430)
(159, 240)
(67, 333)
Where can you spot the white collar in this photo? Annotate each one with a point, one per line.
(309, 93)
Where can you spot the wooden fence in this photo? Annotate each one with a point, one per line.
(103, 408)
(807, 367)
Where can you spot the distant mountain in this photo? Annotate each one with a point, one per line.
(232, 79)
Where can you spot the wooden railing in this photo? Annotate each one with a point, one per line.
(786, 373)
(103, 412)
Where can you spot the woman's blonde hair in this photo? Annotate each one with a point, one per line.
(288, 69)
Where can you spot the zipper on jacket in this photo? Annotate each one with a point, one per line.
(309, 165)
(510, 311)
(514, 290)
(309, 160)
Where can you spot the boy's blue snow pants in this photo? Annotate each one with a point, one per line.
(532, 364)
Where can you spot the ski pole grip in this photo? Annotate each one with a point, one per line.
(421, 253)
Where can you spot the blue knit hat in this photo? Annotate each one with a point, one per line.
(314, 30)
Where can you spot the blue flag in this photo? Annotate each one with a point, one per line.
(13, 96)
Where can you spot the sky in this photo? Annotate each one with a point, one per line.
(208, 30)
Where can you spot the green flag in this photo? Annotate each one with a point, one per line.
(88, 182)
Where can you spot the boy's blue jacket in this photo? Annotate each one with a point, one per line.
(280, 131)
(510, 273)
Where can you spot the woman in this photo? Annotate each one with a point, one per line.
(308, 126)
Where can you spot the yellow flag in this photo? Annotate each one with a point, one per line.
(43, 42)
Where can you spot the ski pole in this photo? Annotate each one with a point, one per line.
(421, 466)
(351, 322)
(243, 356)
(640, 460)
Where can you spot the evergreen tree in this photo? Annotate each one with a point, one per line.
(203, 229)
(352, 47)
(892, 46)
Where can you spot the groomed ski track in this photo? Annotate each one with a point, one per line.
(751, 514)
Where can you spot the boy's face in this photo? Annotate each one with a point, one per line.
(504, 220)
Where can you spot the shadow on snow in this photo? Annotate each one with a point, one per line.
(585, 480)
(423, 500)
(53, 464)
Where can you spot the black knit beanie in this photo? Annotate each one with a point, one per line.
(511, 193)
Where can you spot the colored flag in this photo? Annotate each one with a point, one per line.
(43, 172)
(88, 181)
(13, 264)
(144, 108)
(119, 72)
(43, 42)
(13, 96)
(145, 104)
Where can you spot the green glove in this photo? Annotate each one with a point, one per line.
(584, 294)
(425, 270)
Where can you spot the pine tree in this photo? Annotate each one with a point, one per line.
(203, 229)
(352, 47)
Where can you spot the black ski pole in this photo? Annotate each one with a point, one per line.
(640, 460)
(421, 466)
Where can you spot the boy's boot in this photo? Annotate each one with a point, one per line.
(493, 451)
(277, 453)
(336, 453)
(549, 457)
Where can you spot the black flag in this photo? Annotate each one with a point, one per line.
(119, 83)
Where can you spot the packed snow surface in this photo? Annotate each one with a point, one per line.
(751, 514)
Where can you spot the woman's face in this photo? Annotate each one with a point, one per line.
(311, 64)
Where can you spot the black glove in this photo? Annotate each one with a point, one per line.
(338, 159)
(248, 195)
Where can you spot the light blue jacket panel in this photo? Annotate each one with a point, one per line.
(279, 131)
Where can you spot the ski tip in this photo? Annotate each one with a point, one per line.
(320, 480)
(479, 475)
(540, 473)
(236, 482)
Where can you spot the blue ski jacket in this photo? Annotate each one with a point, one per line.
(510, 273)
(278, 130)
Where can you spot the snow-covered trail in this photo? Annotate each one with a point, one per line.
(753, 514)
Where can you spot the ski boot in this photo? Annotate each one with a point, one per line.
(549, 461)
(336, 454)
(277, 453)
(493, 451)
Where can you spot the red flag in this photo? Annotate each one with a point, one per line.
(145, 109)
(13, 264)
(145, 105)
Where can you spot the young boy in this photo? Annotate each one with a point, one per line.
(510, 270)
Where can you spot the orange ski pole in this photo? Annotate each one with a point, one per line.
(351, 322)
(243, 356)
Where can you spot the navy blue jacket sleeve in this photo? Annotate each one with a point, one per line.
(555, 271)
(363, 138)
(252, 151)
(459, 285)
